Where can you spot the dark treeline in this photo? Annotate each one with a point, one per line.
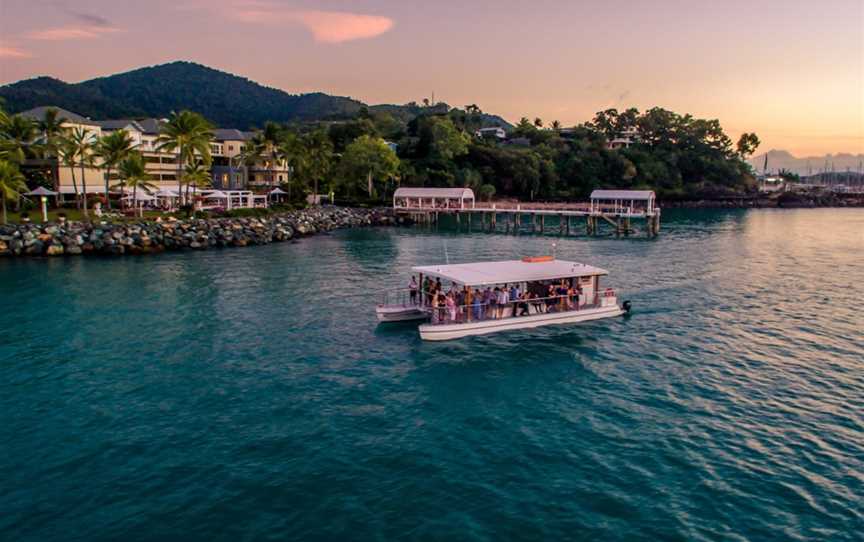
(677, 155)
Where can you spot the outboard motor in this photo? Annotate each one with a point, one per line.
(626, 306)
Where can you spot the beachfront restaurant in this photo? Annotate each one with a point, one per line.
(230, 199)
(433, 198)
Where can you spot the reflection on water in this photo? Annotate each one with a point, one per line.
(250, 394)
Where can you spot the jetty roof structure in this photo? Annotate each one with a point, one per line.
(446, 197)
(634, 195)
(441, 193)
(624, 200)
(508, 271)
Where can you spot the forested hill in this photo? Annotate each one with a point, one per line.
(225, 99)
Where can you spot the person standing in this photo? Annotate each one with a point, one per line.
(514, 297)
(426, 294)
(451, 306)
(502, 301)
(412, 290)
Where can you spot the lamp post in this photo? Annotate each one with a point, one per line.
(44, 208)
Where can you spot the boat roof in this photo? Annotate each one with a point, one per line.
(486, 273)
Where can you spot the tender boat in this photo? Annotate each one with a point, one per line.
(399, 307)
(575, 296)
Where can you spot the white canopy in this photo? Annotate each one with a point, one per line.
(216, 194)
(442, 193)
(141, 196)
(487, 273)
(630, 195)
(278, 190)
(41, 191)
(167, 193)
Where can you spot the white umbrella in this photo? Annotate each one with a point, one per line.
(167, 193)
(217, 194)
(278, 190)
(41, 191)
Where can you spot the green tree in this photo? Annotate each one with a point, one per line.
(319, 152)
(12, 184)
(747, 144)
(446, 141)
(265, 146)
(189, 135)
(19, 134)
(51, 127)
(112, 149)
(487, 192)
(68, 153)
(133, 174)
(293, 153)
(366, 160)
(79, 144)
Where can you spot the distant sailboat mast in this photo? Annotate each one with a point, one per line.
(765, 165)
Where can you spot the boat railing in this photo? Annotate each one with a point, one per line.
(401, 297)
(492, 310)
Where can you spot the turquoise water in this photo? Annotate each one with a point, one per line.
(248, 394)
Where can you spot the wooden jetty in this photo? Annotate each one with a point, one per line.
(618, 209)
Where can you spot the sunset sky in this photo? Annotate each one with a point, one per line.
(792, 71)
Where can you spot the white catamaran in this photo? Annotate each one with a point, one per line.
(486, 297)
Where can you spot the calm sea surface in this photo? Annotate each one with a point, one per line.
(248, 394)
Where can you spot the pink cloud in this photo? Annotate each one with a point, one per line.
(7, 51)
(64, 33)
(336, 27)
(325, 26)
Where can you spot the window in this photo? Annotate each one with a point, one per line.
(230, 147)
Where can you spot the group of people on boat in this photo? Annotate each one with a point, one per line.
(466, 304)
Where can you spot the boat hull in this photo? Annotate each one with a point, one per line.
(400, 313)
(446, 332)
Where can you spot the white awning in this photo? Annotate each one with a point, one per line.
(635, 195)
(141, 196)
(487, 273)
(216, 194)
(278, 190)
(442, 193)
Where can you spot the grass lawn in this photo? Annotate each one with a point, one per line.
(73, 215)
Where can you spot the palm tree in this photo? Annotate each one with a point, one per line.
(198, 175)
(189, 135)
(113, 149)
(133, 173)
(80, 144)
(538, 122)
(68, 153)
(11, 183)
(556, 125)
(319, 153)
(51, 127)
(19, 134)
(265, 145)
(292, 152)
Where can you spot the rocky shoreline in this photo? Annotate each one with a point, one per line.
(784, 201)
(148, 236)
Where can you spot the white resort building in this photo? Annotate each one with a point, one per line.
(228, 170)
